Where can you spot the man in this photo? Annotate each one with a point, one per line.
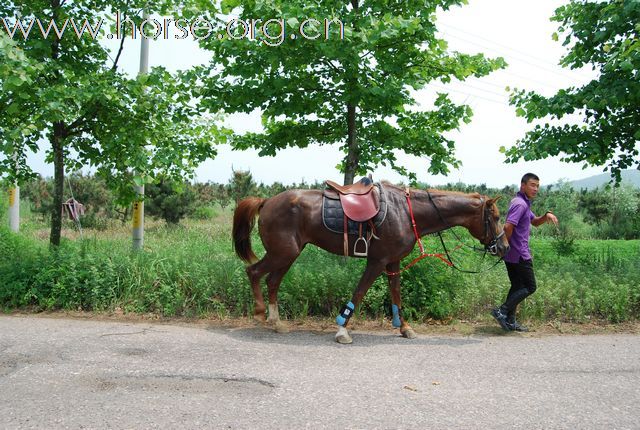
(518, 260)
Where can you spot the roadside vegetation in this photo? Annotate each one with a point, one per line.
(587, 270)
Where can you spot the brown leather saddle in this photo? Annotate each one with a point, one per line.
(360, 203)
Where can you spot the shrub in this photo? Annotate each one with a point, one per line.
(204, 213)
(169, 201)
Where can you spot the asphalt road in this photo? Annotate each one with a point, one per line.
(71, 373)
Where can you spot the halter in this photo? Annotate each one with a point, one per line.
(492, 246)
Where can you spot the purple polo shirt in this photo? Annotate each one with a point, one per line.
(520, 216)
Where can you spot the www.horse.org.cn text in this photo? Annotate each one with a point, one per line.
(271, 32)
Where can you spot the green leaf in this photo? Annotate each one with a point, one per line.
(228, 5)
(627, 66)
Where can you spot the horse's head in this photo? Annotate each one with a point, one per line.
(488, 229)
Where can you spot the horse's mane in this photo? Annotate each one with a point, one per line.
(433, 191)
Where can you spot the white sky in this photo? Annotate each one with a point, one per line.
(517, 30)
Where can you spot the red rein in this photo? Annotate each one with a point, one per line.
(415, 231)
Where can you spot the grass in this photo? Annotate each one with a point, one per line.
(191, 271)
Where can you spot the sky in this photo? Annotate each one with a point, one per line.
(517, 30)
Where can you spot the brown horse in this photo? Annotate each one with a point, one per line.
(291, 219)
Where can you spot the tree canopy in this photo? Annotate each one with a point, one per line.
(340, 72)
(605, 35)
(64, 91)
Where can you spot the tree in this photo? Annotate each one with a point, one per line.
(241, 185)
(625, 213)
(314, 87)
(594, 205)
(17, 75)
(170, 201)
(71, 93)
(38, 192)
(604, 34)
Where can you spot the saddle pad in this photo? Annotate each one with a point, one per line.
(333, 215)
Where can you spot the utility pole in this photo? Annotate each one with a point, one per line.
(14, 208)
(14, 201)
(138, 205)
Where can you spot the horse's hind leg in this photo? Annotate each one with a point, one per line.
(255, 272)
(276, 267)
(396, 302)
(273, 284)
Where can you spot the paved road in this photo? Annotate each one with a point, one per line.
(71, 373)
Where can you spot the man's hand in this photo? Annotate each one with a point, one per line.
(547, 217)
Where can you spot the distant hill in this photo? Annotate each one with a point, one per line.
(630, 176)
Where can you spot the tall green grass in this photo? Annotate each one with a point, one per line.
(191, 271)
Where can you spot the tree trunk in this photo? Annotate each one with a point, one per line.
(56, 139)
(353, 156)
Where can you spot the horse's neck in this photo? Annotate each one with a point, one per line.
(453, 209)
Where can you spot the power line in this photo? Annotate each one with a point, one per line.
(502, 88)
(500, 102)
(466, 85)
(564, 72)
(535, 81)
(475, 36)
(547, 69)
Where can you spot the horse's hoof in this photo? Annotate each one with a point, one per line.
(343, 336)
(280, 327)
(409, 333)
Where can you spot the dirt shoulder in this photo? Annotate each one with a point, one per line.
(435, 328)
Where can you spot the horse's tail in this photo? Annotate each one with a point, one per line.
(244, 218)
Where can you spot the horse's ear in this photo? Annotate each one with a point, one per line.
(492, 201)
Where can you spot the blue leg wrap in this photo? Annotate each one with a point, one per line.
(345, 314)
(396, 315)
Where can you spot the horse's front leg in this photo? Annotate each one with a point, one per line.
(396, 302)
(373, 270)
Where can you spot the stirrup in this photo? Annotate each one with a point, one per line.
(366, 248)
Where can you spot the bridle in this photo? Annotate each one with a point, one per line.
(492, 246)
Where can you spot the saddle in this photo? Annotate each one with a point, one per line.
(360, 203)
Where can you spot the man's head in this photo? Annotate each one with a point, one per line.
(529, 185)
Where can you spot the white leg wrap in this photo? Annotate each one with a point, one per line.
(342, 336)
(274, 316)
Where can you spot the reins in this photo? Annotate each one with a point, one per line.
(423, 254)
(459, 246)
(448, 261)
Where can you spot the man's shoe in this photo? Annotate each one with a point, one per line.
(515, 326)
(501, 318)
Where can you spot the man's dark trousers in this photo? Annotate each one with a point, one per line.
(523, 284)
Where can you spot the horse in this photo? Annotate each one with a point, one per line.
(292, 219)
